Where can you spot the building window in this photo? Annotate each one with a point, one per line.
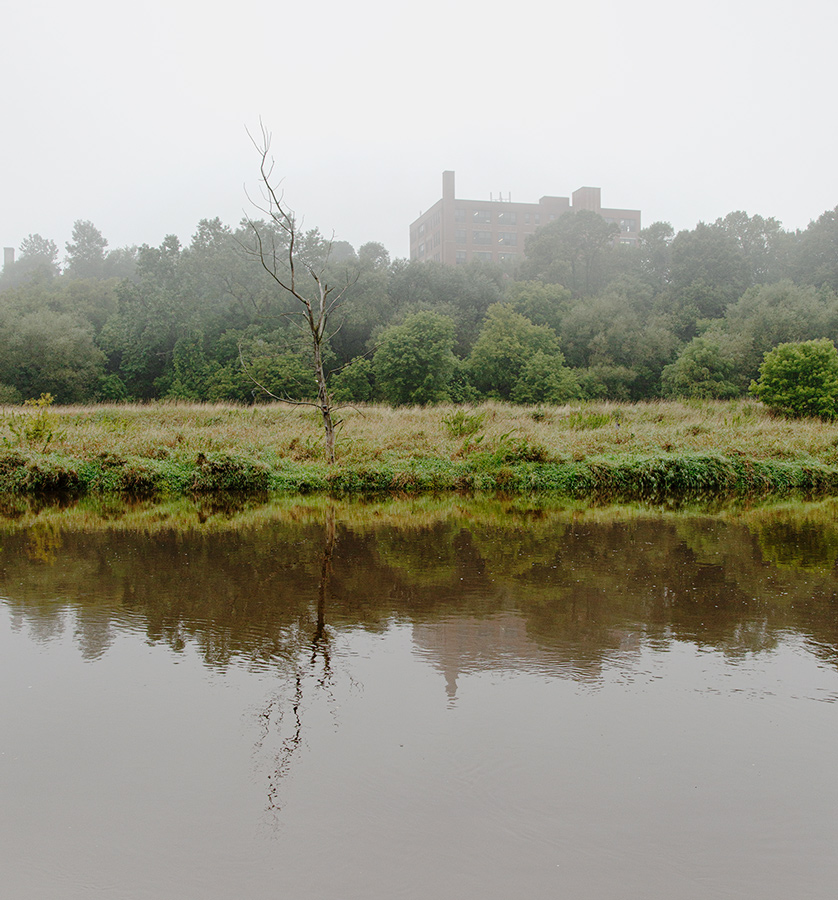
(628, 224)
(508, 238)
(436, 239)
(461, 257)
(481, 216)
(507, 257)
(421, 229)
(538, 218)
(526, 218)
(507, 217)
(460, 236)
(460, 215)
(421, 250)
(481, 237)
(483, 256)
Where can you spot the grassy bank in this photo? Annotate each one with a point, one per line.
(649, 451)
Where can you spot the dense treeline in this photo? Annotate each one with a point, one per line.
(687, 314)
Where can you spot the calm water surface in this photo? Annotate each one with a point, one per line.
(333, 703)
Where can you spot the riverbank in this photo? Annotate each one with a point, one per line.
(604, 451)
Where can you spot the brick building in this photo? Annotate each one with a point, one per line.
(455, 231)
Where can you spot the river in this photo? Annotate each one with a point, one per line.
(445, 699)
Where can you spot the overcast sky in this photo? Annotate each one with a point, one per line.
(135, 116)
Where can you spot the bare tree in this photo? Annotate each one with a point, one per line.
(278, 249)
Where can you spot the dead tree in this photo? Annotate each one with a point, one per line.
(277, 249)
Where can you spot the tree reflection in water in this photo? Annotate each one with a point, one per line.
(271, 587)
(282, 717)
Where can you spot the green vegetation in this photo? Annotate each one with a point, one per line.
(657, 452)
(580, 317)
(800, 379)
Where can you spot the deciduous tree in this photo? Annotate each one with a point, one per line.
(414, 361)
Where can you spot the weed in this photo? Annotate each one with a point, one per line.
(305, 448)
(34, 431)
(462, 424)
(469, 446)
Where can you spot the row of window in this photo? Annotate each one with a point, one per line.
(627, 226)
(506, 238)
(483, 256)
(487, 216)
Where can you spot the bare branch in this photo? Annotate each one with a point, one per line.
(316, 307)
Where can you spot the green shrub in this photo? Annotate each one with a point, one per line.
(800, 379)
(221, 472)
(112, 473)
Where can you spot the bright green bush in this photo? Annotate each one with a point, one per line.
(800, 379)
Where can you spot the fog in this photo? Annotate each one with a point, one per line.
(136, 117)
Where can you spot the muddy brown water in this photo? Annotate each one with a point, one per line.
(452, 706)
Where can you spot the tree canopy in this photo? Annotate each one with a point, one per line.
(690, 314)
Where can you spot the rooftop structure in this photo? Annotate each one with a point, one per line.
(455, 231)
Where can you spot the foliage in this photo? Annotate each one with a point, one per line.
(507, 340)
(38, 261)
(463, 424)
(49, 354)
(414, 361)
(355, 382)
(545, 379)
(709, 271)
(173, 321)
(701, 371)
(542, 304)
(34, 430)
(816, 260)
(768, 315)
(224, 472)
(800, 379)
(572, 251)
(606, 382)
(86, 252)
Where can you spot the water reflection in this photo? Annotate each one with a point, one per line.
(281, 719)
(561, 586)
(438, 699)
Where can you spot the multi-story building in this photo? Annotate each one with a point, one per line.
(455, 231)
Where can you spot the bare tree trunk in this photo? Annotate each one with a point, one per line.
(284, 264)
(324, 402)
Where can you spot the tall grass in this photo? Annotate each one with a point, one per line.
(613, 450)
